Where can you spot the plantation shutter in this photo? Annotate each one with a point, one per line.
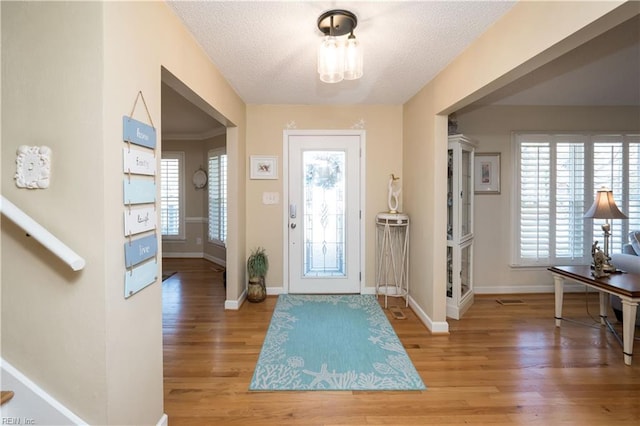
(170, 195)
(217, 196)
(633, 201)
(535, 181)
(569, 197)
(608, 172)
(557, 178)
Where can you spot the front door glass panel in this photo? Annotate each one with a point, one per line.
(324, 214)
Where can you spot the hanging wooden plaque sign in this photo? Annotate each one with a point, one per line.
(139, 220)
(139, 191)
(140, 254)
(138, 133)
(138, 162)
(137, 278)
(139, 250)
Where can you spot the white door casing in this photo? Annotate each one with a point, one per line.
(323, 230)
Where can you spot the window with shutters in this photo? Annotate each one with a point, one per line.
(556, 178)
(217, 196)
(171, 195)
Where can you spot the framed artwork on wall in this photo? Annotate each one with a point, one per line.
(264, 167)
(487, 173)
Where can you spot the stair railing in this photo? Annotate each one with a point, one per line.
(41, 234)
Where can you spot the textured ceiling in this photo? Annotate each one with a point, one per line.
(267, 49)
(267, 52)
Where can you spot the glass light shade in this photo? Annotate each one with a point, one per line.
(353, 68)
(331, 60)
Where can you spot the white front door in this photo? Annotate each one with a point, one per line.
(323, 212)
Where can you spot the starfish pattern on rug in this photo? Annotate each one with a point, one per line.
(369, 357)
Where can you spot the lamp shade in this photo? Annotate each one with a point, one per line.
(604, 207)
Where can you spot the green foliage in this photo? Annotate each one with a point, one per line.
(258, 263)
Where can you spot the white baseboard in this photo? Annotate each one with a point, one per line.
(186, 255)
(274, 291)
(164, 420)
(434, 327)
(234, 305)
(31, 402)
(195, 255)
(548, 288)
(215, 260)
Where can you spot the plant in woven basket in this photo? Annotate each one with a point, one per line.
(257, 267)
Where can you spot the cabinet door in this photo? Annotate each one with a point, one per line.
(466, 194)
(450, 190)
(450, 272)
(466, 269)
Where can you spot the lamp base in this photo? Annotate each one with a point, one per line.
(601, 262)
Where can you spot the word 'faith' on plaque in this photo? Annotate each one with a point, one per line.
(138, 162)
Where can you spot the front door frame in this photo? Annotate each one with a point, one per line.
(285, 203)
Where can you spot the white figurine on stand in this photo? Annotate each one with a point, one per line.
(394, 191)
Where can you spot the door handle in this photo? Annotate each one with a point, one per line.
(292, 211)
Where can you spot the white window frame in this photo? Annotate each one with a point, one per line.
(176, 155)
(592, 227)
(217, 152)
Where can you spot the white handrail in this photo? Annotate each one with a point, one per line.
(43, 236)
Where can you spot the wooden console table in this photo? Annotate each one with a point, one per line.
(624, 285)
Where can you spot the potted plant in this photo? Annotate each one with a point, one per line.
(257, 267)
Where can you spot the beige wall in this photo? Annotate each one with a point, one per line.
(265, 126)
(1, 176)
(492, 127)
(512, 47)
(103, 354)
(70, 72)
(52, 95)
(149, 36)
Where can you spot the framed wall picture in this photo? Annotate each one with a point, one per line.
(487, 173)
(264, 167)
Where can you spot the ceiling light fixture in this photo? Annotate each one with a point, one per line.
(339, 59)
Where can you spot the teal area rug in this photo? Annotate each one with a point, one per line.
(332, 343)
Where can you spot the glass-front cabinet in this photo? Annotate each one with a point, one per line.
(459, 225)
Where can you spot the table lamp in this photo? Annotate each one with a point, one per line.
(604, 207)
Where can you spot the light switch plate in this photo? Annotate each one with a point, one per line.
(270, 198)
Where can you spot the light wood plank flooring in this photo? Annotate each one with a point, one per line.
(499, 365)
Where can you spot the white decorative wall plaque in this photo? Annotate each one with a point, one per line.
(33, 167)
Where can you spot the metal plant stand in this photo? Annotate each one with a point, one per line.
(392, 256)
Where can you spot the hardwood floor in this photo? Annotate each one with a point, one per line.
(499, 365)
